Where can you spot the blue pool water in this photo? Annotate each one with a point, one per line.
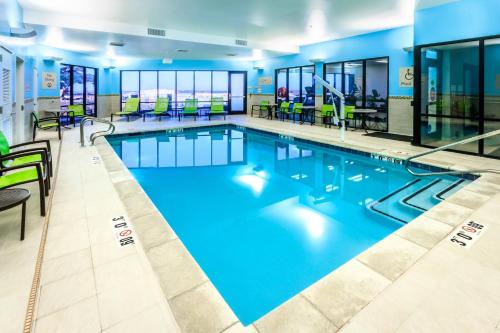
(266, 217)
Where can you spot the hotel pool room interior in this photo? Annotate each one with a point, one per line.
(249, 167)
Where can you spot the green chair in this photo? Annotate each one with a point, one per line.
(39, 154)
(23, 174)
(284, 109)
(45, 124)
(349, 114)
(217, 108)
(161, 109)
(190, 108)
(76, 111)
(262, 107)
(297, 109)
(326, 114)
(131, 108)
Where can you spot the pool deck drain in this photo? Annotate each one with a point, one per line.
(410, 281)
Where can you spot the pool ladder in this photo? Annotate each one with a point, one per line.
(95, 135)
(451, 172)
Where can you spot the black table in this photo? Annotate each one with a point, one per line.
(11, 198)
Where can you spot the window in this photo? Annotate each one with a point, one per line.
(149, 90)
(295, 85)
(178, 86)
(492, 95)
(364, 84)
(78, 87)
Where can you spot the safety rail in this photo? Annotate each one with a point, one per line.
(451, 172)
(95, 135)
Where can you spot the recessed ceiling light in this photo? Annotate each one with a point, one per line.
(182, 50)
(231, 54)
(119, 44)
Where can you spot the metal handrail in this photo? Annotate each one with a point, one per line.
(451, 172)
(95, 135)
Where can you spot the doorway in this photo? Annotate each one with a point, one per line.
(79, 87)
(237, 92)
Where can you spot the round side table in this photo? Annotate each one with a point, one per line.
(11, 198)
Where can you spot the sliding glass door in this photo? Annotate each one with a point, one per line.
(78, 86)
(457, 94)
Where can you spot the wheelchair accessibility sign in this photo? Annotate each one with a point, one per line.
(406, 77)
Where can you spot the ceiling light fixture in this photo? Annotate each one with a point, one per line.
(167, 61)
(182, 50)
(118, 44)
(231, 54)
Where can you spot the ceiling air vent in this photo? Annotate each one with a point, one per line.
(118, 44)
(241, 42)
(157, 32)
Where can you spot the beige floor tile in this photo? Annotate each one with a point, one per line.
(120, 272)
(425, 231)
(66, 230)
(107, 252)
(82, 317)
(392, 256)
(468, 199)
(202, 310)
(449, 213)
(124, 302)
(57, 295)
(341, 294)
(65, 245)
(295, 316)
(151, 320)
(13, 304)
(239, 328)
(65, 266)
(180, 272)
(153, 230)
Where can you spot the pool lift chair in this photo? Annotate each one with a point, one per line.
(336, 120)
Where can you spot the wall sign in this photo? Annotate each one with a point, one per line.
(467, 233)
(49, 80)
(265, 81)
(123, 232)
(406, 77)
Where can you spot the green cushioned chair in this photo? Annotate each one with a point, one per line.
(297, 109)
(76, 111)
(161, 109)
(39, 154)
(284, 109)
(190, 108)
(45, 124)
(262, 107)
(326, 114)
(349, 114)
(217, 107)
(15, 175)
(131, 108)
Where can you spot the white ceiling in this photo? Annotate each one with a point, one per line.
(209, 27)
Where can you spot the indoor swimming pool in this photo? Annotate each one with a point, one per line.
(266, 216)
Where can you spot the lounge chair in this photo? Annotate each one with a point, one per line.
(161, 109)
(36, 156)
(285, 109)
(76, 111)
(45, 124)
(217, 108)
(23, 174)
(190, 108)
(131, 108)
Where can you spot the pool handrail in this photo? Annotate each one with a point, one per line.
(451, 172)
(95, 135)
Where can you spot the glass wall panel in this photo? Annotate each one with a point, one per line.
(308, 85)
(450, 94)
(220, 85)
(333, 75)
(166, 85)
(65, 85)
(492, 95)
(282, 91)
(203, 88)
(353, 83)
(78, 81)
(129, 85)
(377, 71)
(90, 91)
(185, 86)
(294, 84)
(149, 90)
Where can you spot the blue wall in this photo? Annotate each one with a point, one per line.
(377, 44)
(457, 20)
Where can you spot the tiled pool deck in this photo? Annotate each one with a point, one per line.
(415, 280)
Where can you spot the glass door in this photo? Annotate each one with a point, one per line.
(237, 92)
(492, 95)
(78, 86)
